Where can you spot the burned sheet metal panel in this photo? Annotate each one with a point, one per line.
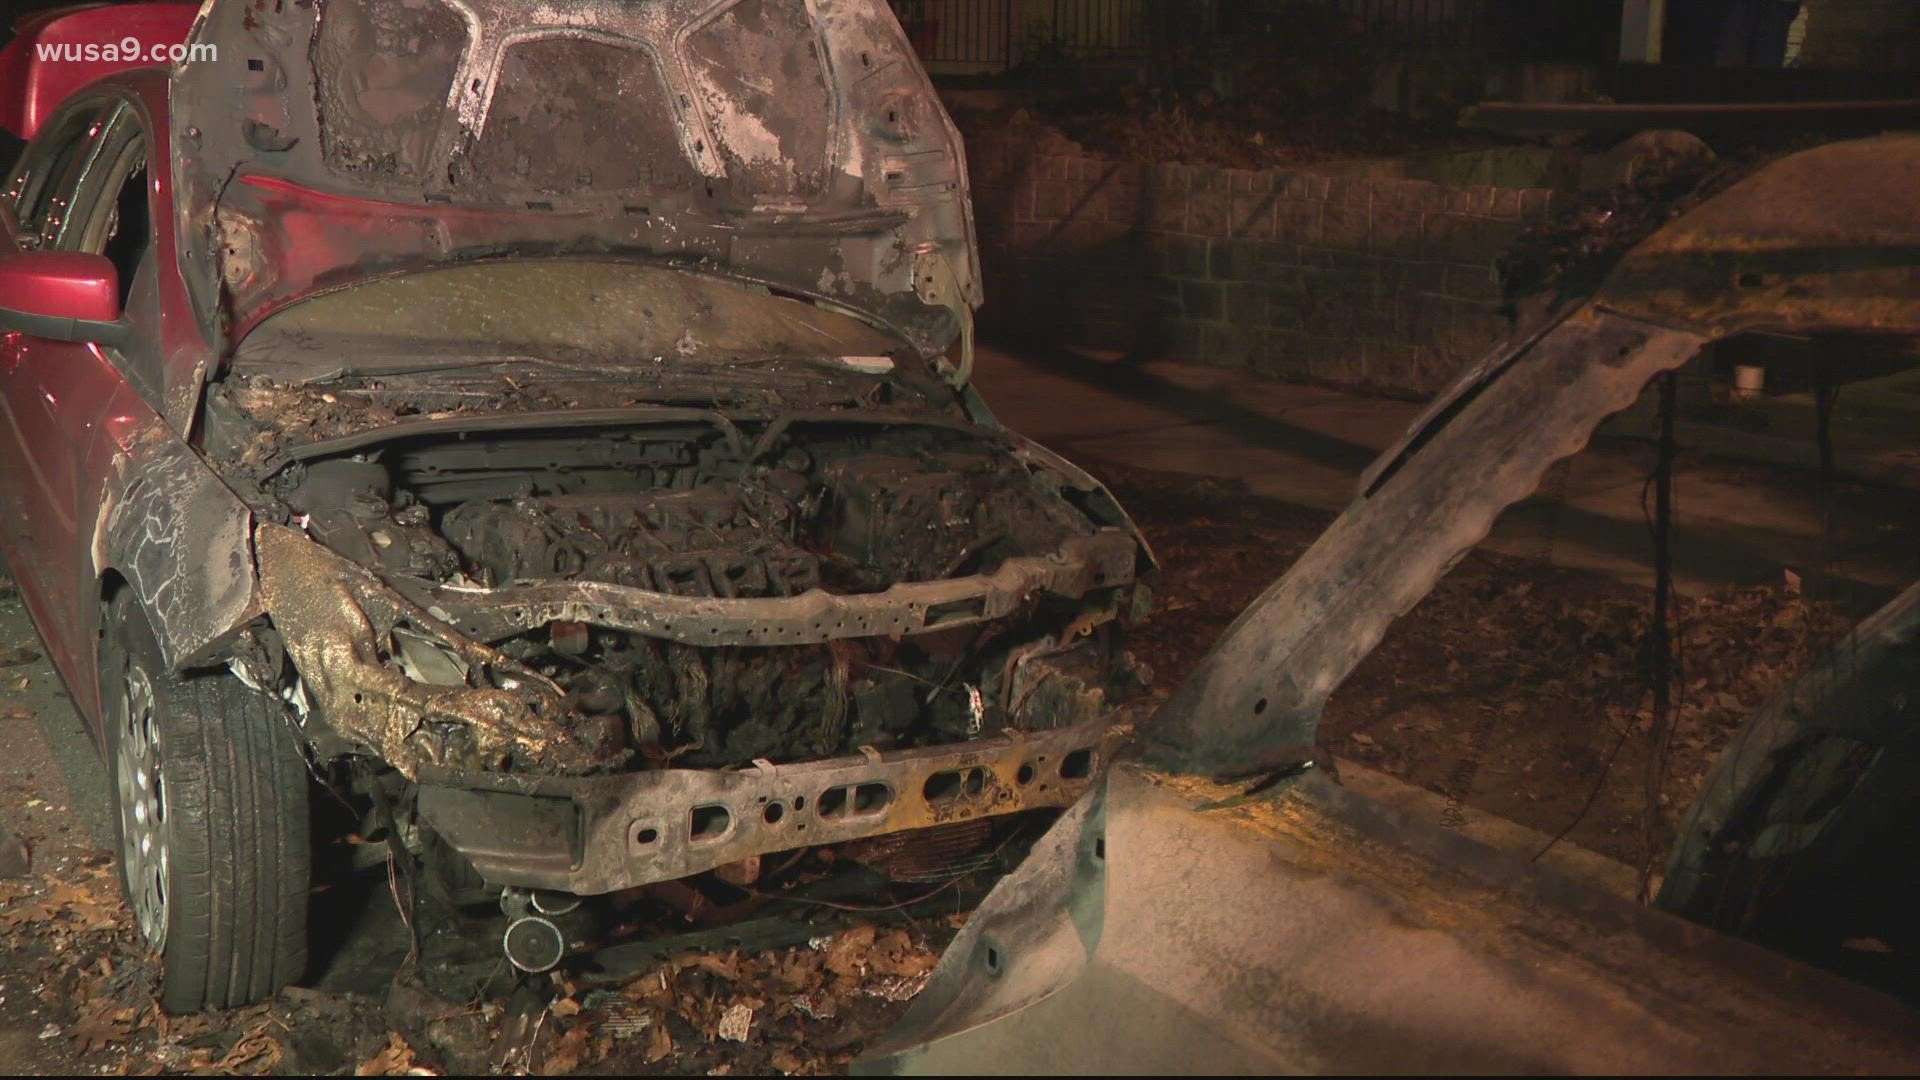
(1821, 786)
(1310, 931)
(183, 541)
(387, 676)
(1253, 702)
(812, 617)
(791, 142)
(1824, 240)
(1784, 249)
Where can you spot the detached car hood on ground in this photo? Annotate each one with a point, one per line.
(1169, 924)
(797, 145)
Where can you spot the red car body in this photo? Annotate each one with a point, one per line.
(69, 410)
(89, 42)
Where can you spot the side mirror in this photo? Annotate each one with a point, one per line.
(62, 295)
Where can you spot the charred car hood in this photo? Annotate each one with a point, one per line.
(792, 143)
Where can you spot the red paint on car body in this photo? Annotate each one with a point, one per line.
(31, 87)
(61, 285)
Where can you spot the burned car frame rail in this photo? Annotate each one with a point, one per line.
(599, 834)
(1080, 566)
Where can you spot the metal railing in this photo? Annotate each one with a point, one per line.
(993, 35)
(969, 33)
(1097, 26)
(1419, 24)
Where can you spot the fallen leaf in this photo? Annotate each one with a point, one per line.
(567, 1053)
(25, 915)
(847, 952)
(897, 955)
(727, 967)
(393, 1059)
(257, 1051)
(736, 1022)
(101, 1029)
(659, 1042)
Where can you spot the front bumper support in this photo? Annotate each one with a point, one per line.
(594, 835)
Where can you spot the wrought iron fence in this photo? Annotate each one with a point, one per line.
(1409, 25)
(1097, 26)
(971, 33)
(992, 35)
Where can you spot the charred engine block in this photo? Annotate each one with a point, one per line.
(690, 512)
(892, 517)
(689, 520)
(349, 505)
(858, 523)
(722, 540)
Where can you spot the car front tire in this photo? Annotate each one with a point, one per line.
(211, 818)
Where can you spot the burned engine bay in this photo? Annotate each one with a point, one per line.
(692, 591)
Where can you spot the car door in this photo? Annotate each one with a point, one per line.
(62, 398)
(32, 210)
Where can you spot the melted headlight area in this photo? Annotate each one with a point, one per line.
(431, 538)
(385, 676)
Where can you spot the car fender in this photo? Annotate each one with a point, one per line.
(182, 540)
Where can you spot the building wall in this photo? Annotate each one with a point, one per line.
(1380, 284)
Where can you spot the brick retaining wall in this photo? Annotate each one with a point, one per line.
(1380, 284)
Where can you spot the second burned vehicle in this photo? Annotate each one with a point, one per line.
(560, 411)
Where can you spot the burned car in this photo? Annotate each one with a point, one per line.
(561, 414)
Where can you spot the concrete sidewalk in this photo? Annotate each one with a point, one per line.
(1737, 522)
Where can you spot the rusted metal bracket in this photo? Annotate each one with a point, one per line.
(938, 286)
